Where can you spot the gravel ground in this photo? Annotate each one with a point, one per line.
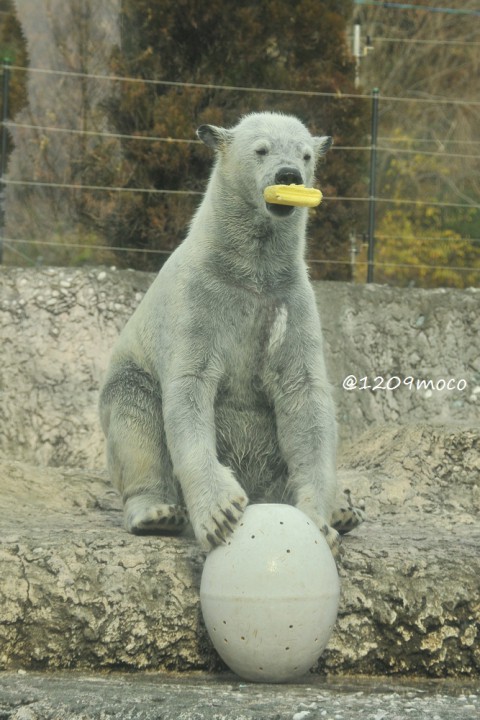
(140, 696)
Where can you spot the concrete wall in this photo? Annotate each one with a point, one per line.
(57, 327)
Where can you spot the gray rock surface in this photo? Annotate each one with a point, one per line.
(57, 328)
(75, 696)
(76, 591)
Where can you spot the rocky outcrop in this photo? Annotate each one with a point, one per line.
(76, 591)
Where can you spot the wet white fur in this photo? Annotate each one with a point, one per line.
(217, 390)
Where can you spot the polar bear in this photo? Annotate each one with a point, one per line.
(217, 393)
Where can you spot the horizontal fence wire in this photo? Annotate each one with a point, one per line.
(338, 95)
(152, 251)
(171, 140)
(160, 191)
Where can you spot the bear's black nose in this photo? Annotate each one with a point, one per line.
(288, 176)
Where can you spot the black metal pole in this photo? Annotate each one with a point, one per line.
(373, 183)
(3, 158)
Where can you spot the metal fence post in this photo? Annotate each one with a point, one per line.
(4, 140)
(373, 183)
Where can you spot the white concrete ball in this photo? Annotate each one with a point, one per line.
(270, 595)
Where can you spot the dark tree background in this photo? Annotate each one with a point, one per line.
(279, 44)
(12, 50)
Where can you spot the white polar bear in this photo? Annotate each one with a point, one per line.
(217, 391)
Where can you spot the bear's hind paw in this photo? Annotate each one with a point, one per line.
(154, 519)
(347, 517)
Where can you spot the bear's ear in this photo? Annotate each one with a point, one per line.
(213, 136)
(322, 144)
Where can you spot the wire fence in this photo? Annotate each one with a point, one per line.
(312, 261)
(386, 145)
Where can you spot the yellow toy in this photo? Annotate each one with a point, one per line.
(297, 195)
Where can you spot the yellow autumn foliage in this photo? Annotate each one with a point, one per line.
(418, 242)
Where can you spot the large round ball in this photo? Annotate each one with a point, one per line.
(270, 596)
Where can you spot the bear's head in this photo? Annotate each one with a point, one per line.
(264, 149)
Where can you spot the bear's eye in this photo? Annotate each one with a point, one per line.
(262, 151)
(307, 157)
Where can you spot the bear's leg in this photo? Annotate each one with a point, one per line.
(307, 437)
(137, 455)
(214, 498)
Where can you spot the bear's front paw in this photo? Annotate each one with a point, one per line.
(333, 538)
(222, 522)
(331, 535)
(218, 519)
